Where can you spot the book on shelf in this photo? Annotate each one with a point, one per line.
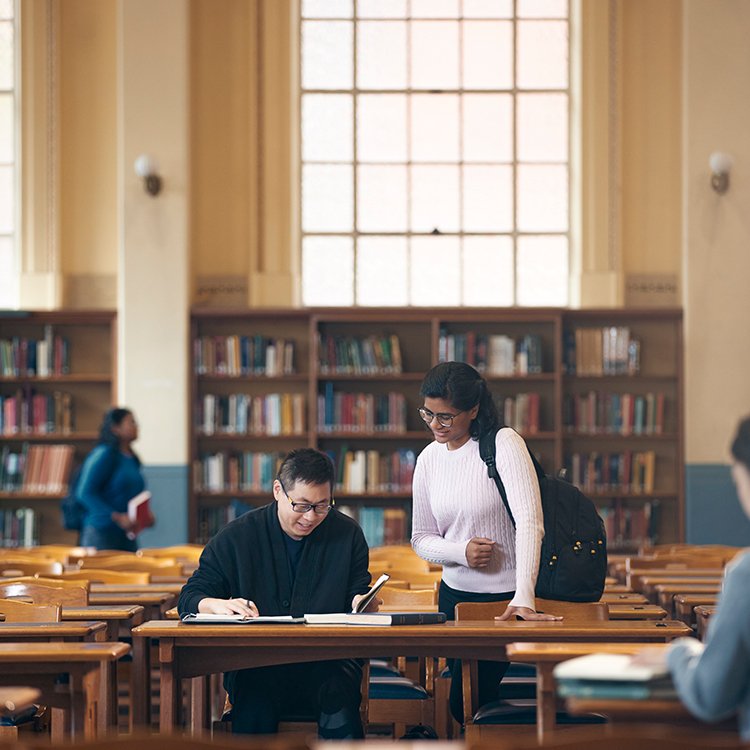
(597, 352)
(243, 414)
(605, 412)
(521, 413)
(19, 527)
(628, 471)
(377, 618)
(631, 526)
(237, 356)
(381, 526)
(231, 471)
(30, 413)
(139, 512)
(359, 355)
(493, 354)
(37, 469)
(370, 471)
(21, 357)
(339, 411)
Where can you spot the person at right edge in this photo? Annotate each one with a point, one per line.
(459, 519)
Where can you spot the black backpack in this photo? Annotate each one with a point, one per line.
(73, 512)
(573, 561)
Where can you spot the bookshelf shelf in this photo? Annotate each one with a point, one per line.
(60, 379)
(32, 495)
(49, 438)
(334, 337)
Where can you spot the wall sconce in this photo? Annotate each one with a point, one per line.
(147, 167)
(721, 165)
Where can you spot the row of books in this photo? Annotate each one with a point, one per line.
(237, 356)
(28, 413)
(366, 355)
(492, 354)
(631, 527)
(603, 412)
(620, 472)
(234, 471)
(19, 527)
(601, 351)
(242, 414)
(521, 413)
(363, 471)
(361, 412)
(381, 526)
(212, 520)
(39, 469)
(24, 357)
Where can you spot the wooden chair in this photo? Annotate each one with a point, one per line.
(28, 566)
(14, 611)
(60, 552)
(94, 575)
(167, 566)
(46, 591)
(407, 598)
(191, 552)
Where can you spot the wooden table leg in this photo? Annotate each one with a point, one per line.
(546, 700)
(140, 699)
(200, 704)
(170, 699)
(470, 678)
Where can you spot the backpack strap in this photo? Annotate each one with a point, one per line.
(487, 452)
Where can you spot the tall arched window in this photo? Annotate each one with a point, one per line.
(7, 154)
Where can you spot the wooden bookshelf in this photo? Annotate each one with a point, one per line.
(89, 380)
(420, 332)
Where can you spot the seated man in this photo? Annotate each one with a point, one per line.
(295, 556)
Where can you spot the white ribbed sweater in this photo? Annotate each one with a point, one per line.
(455, 501)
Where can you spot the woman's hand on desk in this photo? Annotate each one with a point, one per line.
(211, 606)
(478, 552)
(526, 613)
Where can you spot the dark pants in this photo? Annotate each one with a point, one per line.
(329, 691)
(115, 539)
(489, 673)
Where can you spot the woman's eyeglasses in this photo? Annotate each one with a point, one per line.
(444, 420)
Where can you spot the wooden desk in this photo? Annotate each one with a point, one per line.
(627, 611)
(634, 576)
(195, 651)
(618, 589)
(649, 584)
(39, 665)
(666, 592)
(703, 614)
(155, 603)
(132, 588)
(684, 606)
(630, 598)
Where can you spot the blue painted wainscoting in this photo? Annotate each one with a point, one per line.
(168, 486)
(713, 512)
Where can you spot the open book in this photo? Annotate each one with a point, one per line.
(371, 594)
(377, 618)
(138, 511)
(207, 619)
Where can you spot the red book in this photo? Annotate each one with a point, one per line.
(138, 511)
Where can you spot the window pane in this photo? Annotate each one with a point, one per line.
(488, 271)
(381, 199)
(434, 8)
(488, 55)
(7, 200)
(327, 271)
(327, 122)
(542, 195)
(542, 55)
(434, 198)
(381, 127)
(488, 127)
(382, 271)
(381, 8)
(542, 127)
(326, 8)
(488, 8)
(6, 55)
(435, 271)
(7, 273)
(381, 55)
(488, 199)
(7, 129)
(327, 198)
(434, 128)
(542, 8)
(542, 271)
(327, 55)
(434, 54)
(6, 9)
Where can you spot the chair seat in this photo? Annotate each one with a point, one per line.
(515, 670)
(383, 668)
(400, 688)
(524, 712)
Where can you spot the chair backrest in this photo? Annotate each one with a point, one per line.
(59, 552)
(569, 611)
(191, 552)
(167, 566)
(46, 591)
(400, 562)
(24, 566)
(407, 598)
(22, 612)
(94, 575)
(682, 561)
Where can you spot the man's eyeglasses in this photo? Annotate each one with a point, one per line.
(444, 420)
(320, 509)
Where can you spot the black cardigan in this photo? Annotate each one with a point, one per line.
(248, 559)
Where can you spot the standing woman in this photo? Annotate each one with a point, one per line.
(110, 477)
(459, 519)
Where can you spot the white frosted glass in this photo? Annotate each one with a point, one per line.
(488, 55)
(434, 198)
(542, 194)
(327, 55)
(327, 125)
(382, 271)
(487, 127)
(381, 198)
(542, 55)
(6, 9)
(434, 8)
(7, 200)
(327, 271)
(327, 8)
(7, 64)
(381, 55)
(434, 55)
(7, 274)
(488, 8)
(434, 128)
(542, 130)
(487, 198)
(327, 198)
(542, 271)
(7, 128)
(435, 271)
(542, 8)
(381, 128)
(381, 8)
(487, 264)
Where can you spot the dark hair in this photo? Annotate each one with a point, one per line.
(464, 388)
(113, 418)
(306, 465)
(741, 444)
